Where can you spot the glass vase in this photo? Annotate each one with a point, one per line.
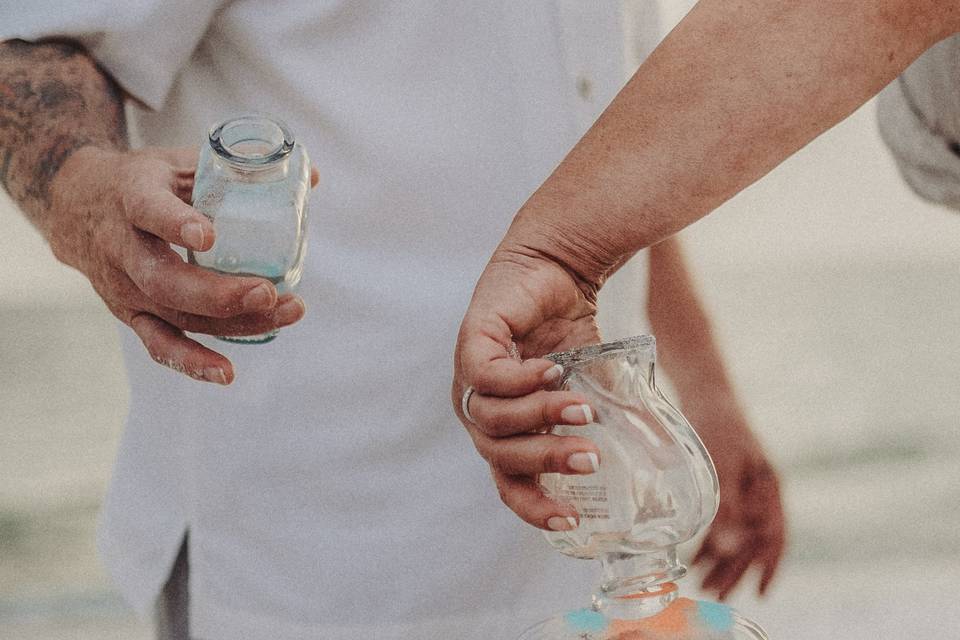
(656, 488)
(253, 182)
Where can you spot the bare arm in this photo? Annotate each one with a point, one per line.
(112, 213)
(735, 89)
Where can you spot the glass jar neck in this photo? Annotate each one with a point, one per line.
(640, 585)
(252, 148)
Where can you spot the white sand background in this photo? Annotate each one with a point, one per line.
(835, 297)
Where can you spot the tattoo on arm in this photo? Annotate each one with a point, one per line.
(54, 99)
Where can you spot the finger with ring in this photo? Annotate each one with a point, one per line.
(465, 404)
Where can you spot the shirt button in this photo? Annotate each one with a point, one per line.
(584, 87)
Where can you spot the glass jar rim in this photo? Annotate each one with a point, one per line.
(275, 133)
(646, 344)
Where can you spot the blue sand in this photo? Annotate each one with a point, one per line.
(717, 616)
(583, 620)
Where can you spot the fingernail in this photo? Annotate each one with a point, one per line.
(584, 462)
(192, 234)
(290, 311)
(552, 374)
(215, 374)
(577, 414)
(260, 297)
(559, 523)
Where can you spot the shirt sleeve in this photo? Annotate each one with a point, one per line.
(143, 44)
(919, 118)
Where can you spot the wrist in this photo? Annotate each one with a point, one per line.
(77, 158)
(543, 228)
(89, 169)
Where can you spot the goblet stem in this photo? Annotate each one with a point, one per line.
(638, 585)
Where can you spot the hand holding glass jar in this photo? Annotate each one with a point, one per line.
(116, 216)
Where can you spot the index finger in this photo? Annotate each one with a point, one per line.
(488, 366)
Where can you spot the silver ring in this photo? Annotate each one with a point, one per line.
(465, 404)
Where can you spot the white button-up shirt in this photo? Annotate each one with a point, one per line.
(330, 492)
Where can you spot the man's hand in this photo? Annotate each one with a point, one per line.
(113, 213)
(524, 307)
(113, 216)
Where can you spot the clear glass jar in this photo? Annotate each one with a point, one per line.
(253, 182)
(656, 488)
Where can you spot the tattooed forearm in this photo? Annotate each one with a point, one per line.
(54, 99)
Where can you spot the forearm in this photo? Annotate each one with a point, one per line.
(54, 99)
(735, 89)
(686, 347)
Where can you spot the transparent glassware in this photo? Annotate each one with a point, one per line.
(253, 182)
(656, 488)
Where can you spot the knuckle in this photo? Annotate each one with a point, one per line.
(504, 497)
(133, 200)
(481, 379)
(125, 173)
(553, 460)
(181, 320)
(59, 248)
(119, 312)
(149, 281)
(156, 282)
(149, 343)
(159, 168)
(485, 451)
(502, 492)
(489, 458)
(497, 424)
(150, 168)
(501, 463)
(547, 413)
